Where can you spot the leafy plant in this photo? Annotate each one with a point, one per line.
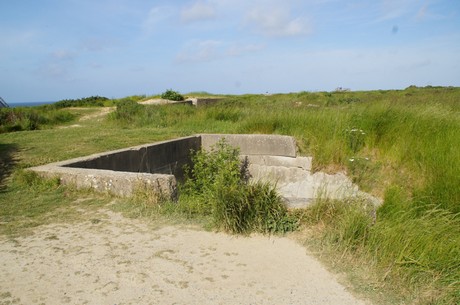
(355, 139)
(172, 95)
(220, 180)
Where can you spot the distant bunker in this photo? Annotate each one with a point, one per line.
(158, 166)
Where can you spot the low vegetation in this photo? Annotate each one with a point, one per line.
(172, 95)
(218, 185)
(399, 145)
(92, 101)
(31, 118)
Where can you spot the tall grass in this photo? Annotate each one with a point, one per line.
(410, 249)
(31, 118)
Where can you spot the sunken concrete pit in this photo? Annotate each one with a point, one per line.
(159, 166)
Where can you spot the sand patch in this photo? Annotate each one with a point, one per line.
(109, 259)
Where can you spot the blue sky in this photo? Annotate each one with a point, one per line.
(57, 49)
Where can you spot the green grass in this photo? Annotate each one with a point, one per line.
(32, 118)
(401, 145)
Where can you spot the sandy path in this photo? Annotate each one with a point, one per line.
(114, 260)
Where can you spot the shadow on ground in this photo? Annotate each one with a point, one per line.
(7, 163)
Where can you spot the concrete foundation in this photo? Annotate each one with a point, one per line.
(158, 166)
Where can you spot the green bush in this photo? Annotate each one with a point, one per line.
(172, 95)
(128, 110)
(29, 118)
(220, 180)
(92, 101)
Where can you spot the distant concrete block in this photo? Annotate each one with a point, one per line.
(200, 101)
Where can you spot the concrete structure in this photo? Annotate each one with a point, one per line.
(158, 166)
(190, 101)
(254, 144)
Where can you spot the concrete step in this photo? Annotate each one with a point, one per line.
(299, 185)
(297, 162)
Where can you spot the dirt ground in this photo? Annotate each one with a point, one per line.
(110, 259)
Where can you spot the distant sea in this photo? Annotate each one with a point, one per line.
(30, 104)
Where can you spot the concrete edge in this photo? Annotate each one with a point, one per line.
(122, 184)
(255, 144)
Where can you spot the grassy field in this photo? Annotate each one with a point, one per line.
(399, 145)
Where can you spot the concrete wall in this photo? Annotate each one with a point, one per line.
(254, 144)
(167, 157)
(204, 101)
(121, 172)
(106, 181)
(157, 165)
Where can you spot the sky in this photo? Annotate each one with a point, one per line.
(58, 49)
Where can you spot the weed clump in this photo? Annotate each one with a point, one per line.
(218, 185)
(172, 95)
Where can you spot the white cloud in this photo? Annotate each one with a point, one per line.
(209, 50)
(155, 16)
(58, 64)
(96, 44)
(54, 70)
(63, 55)
(199, 51)
(14, 38)
(237, 50)
(276, 21)
(392, 9)
(197, 12)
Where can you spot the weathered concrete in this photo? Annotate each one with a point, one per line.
(158, 166)
(266, 160)
(166, 157)
(200, 101)
(254, 144)
(121, 171)
(300, 186)
(118, 183)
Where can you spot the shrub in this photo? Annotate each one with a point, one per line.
(92, 101)
(220, 180)
(172, 95)
(128, 110)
